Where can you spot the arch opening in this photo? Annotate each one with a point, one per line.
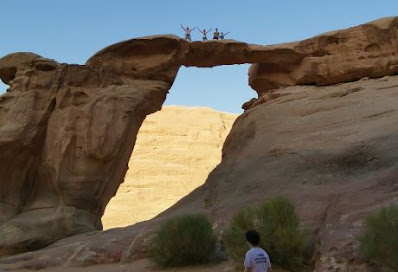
(224, 88)
(179, 146)
(3, 87)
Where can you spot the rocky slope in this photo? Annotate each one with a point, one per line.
(67, 132)
(175, 151)
(329, 149)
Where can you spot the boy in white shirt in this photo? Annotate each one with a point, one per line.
(256, 259)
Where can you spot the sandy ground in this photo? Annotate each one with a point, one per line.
(146, 266)
(141, 266)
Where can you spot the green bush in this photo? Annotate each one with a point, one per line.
(379, 242)
(283, 239)
(234, 237)
(278, 225)
(183, 240)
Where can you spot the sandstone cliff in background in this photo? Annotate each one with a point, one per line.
(175, 151)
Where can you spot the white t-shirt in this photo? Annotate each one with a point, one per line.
(257, 259)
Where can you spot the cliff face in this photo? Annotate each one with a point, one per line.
(175, 151)
(329, 149)
(67, 132)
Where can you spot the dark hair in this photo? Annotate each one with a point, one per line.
(253, 237)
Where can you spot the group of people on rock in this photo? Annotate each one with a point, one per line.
(216, 35)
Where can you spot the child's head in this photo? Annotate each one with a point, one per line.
(253, 237)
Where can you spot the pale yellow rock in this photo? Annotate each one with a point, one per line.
(175, 151)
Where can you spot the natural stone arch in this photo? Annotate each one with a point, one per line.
(71, 128)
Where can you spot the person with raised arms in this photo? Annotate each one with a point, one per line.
(187, 31)
(204, 32)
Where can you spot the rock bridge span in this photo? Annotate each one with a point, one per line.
(67, 131)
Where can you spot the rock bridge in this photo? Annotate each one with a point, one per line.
(67, 131)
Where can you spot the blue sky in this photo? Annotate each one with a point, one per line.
(71, 31)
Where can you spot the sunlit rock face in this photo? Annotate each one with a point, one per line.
(368, 50)
(67, 133)
(175, 151)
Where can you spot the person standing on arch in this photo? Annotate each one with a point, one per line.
(222, 35)
(216, 34)
(187, 31)
(204, 32)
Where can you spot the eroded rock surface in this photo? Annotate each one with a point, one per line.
(368, 50)
(67, 132)
(329, 149)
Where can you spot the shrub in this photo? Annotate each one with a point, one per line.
(278, 225)
(282, 239)
(234, 237)
(379, 242)
(183, 240)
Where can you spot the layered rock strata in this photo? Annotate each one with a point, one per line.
(175, 151)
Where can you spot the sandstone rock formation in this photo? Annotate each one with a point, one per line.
(64, 157)
(329, 149)
(66, 135)
(369, 50)
(175, 151)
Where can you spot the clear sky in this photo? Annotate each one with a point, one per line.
(73, 30)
